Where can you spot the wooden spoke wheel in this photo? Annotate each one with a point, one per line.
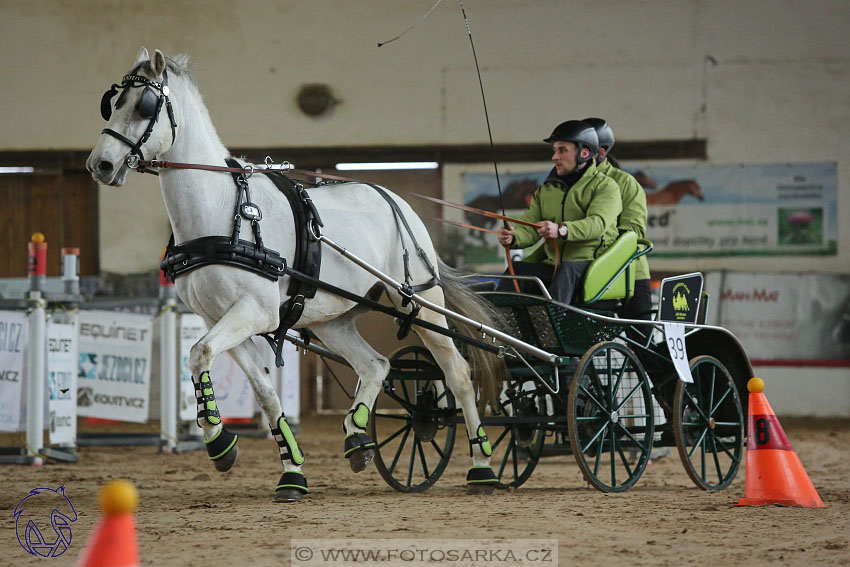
(708, 423)
(517, 434)
(610, 417)
(413, 422)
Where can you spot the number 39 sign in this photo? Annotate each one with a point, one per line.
(674, 335)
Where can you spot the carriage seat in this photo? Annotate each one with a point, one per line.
(610, 278)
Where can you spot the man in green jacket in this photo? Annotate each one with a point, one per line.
(575, 211)
(632, 218)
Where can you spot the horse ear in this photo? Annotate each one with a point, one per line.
(142, 55)
(158, 63)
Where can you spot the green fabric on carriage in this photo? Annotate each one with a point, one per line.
(605, 278)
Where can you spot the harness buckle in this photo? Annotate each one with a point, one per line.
(132, 161)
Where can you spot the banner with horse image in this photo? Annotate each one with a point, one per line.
(693, 210)
(479, 190)
(113, 365)
(14, 342)
(742, 209)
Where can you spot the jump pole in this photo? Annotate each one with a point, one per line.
(37, 363)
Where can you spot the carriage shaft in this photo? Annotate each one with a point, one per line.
(479, 326)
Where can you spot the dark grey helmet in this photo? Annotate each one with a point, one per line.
(603, 132)
(582, 134)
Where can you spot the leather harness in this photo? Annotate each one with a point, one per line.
(306, 262)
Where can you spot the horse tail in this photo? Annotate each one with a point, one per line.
(487, 371)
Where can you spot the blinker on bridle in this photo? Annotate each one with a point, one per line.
(148, 107)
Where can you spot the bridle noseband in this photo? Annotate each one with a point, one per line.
(149, 106)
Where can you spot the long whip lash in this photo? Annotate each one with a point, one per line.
(422, 19)
(486, 117)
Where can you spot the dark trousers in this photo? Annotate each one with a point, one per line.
(561, 283)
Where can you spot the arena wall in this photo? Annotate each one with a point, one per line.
(760, 82)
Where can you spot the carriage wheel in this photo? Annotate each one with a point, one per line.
(610, 417)
(708, 423)
(413, 422)
(517, 447)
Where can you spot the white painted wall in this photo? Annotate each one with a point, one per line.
(761, 81)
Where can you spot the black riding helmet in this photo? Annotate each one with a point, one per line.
(578, 132)
(603, 132)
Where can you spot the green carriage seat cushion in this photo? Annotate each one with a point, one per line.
(606, 266)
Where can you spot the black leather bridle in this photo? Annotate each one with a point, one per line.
(149, 106)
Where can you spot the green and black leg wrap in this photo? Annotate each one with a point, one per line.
(482, 441)
(207, 408)
(292, 480)
(357, 440)
(289, 450)
(481, 476)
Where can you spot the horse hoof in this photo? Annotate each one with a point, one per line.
(226, 462)
(288, 495)
(359, 460)
(480, 488)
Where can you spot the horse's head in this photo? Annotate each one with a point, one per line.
(134, 129)
(696, 190)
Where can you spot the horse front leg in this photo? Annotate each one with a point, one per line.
(292, 484)
(237, 325)
(341, 336)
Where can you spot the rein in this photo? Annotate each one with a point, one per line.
(142, 166)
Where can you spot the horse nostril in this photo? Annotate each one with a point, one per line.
(104, 166)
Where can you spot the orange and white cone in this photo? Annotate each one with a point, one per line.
(114, 543)
(774, 474)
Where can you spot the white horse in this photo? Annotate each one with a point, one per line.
(236, 304)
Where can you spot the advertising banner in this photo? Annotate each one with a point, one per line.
(62, 383)
(113, 365)
(693, 210)
(14, 340)
(233, 392)
(787, 316)
(192, 328)
(745, 209)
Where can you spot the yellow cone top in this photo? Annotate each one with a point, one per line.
(755, 385)
(118, 497)
(37, 238)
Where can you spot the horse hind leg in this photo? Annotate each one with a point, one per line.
(341, 336)
(292, 485)
(480, 478)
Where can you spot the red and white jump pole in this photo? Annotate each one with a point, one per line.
(38, 330)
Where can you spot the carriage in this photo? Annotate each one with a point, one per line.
(569, 378)
(593, 399)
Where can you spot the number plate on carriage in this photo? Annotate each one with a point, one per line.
(674, 336)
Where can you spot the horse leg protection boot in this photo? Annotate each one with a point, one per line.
(359, 447)
(221, 448)
(481, 479)
(292, 484)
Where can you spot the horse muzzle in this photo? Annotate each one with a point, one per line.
(106, 171)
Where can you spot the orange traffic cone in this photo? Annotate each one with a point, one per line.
(113, 543)
(775, 474)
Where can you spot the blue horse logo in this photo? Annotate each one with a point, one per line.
(30, 536)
